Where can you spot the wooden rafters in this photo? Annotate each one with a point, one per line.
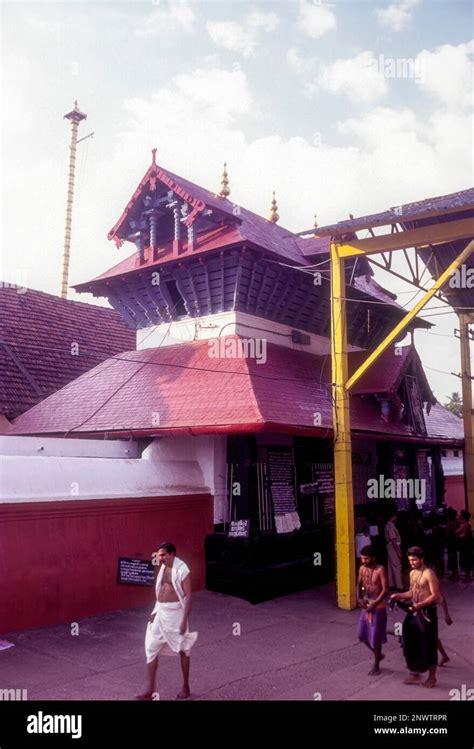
(177, 278)
(194, 291)
(127, 313)
(282, 307)
(262, 289)
(222, 266)
(277, 281)
(253, 274)
(161, 296)
(238, 282)
(203, 265)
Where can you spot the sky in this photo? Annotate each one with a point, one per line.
(340, 107)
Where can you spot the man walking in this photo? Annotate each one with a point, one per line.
(372, 589)
(167, 631)
(394, 553)
(420, 628)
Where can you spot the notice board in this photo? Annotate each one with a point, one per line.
(135, 571)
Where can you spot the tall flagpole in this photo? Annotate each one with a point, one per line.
(75, 117)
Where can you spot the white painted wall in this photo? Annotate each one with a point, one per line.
(28, 478)
(179, 465)
(453, 466)
(209, 452)
(48, 446)
(228, 323)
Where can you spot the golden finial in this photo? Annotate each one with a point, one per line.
(273, 217)
(225, 190)
(315, 225)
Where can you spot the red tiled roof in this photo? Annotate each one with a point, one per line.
(440, 422)
(37, 336)
(454, 202)
(245, 227)
(184, 389)
(252, 227)
(387, 372)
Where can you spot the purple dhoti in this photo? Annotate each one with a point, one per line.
(372, 627)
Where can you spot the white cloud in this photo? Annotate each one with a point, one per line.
(203, 103)
(357, 78)
(242, 37)
(316, 19)
(300, 64)
(377, 147)
(382, 127)
(232, 36)
(199, 119)
(177, 15)
(398, 15)
(258, 19)
(447, 73)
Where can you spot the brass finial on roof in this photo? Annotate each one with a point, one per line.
(225, 189)
(315, 225)
(273, 217)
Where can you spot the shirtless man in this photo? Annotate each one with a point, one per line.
(372, 589)
(167, 630)
(444, 605)
(420, 628)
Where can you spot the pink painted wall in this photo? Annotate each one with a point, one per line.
(455, 493)
(58, 560)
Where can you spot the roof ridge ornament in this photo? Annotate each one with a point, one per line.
(274, 216)
(225, 189)
(315, 224)
(153, 156)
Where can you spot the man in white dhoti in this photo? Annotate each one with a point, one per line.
(168, 628)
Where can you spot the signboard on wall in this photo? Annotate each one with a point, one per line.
(401, 473)
(282, 487)
(425, 474)
(324, 476)
(239, 529)
(135, 571)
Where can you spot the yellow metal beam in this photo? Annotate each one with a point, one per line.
(467, 411)
(448, 231)
(344, 504)
(405, 321)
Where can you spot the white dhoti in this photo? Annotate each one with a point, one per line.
(163, 636)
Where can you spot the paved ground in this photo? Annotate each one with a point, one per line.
(288, 649)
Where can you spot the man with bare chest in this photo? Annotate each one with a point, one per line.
(167, 593)
(420, 628)
(372, 589)
(167, 631)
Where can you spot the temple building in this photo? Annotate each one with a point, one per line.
(224, 407)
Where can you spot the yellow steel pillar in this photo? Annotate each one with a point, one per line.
(344, 505)
(467, 412)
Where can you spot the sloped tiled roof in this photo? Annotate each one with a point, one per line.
(182, 388)
(46, 341)
(387, 372)
(251, 227)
